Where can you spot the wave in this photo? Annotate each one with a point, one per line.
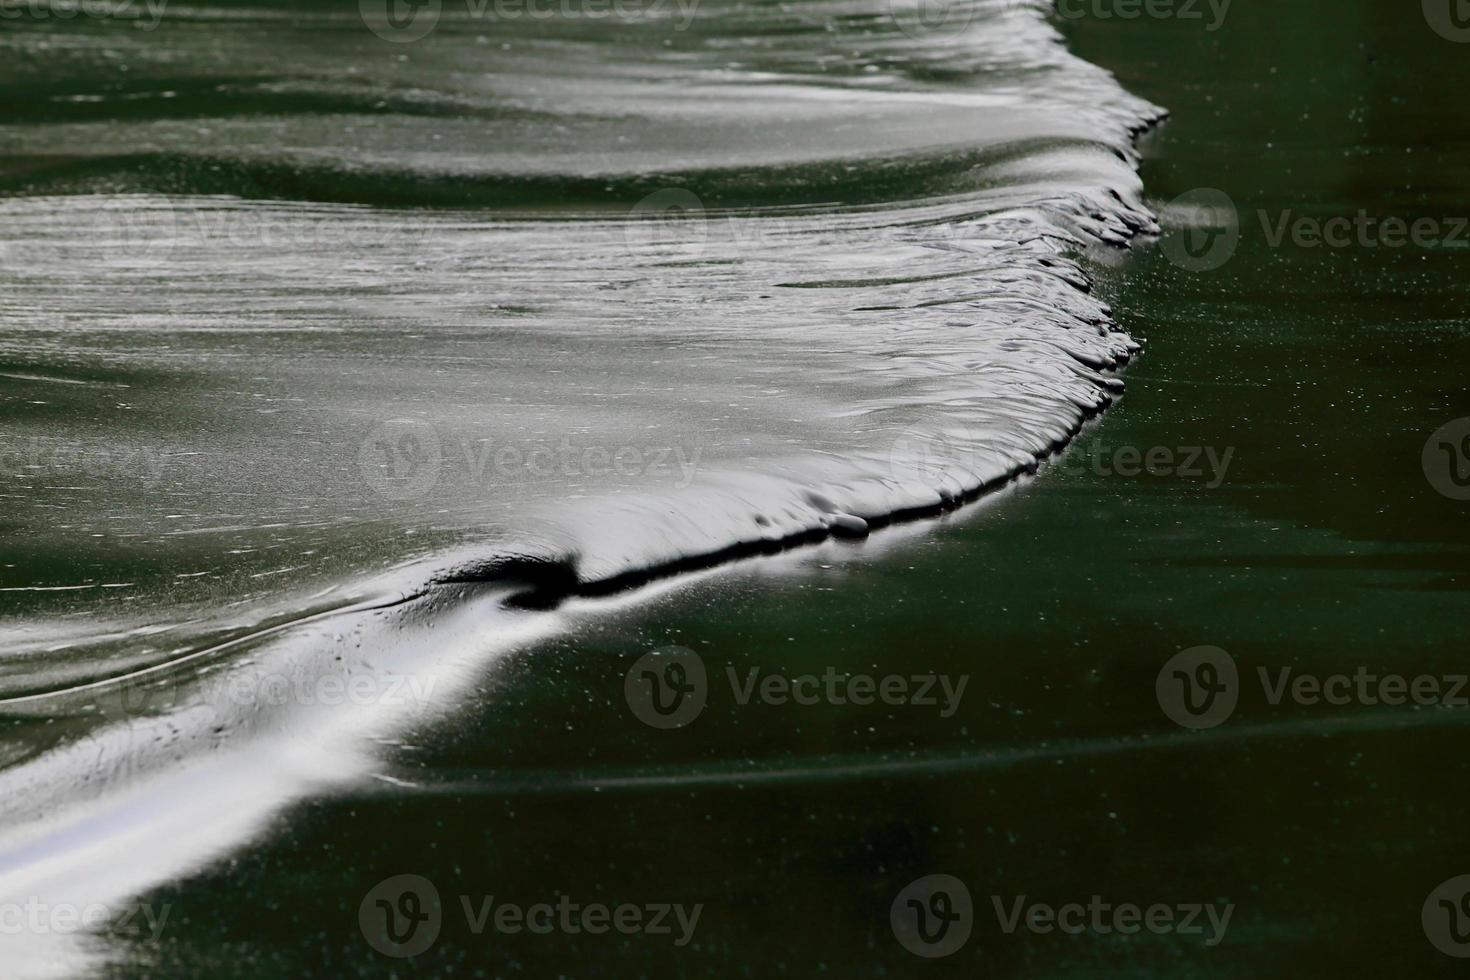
(323, 342)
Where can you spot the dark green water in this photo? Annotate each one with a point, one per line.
(1324, 548)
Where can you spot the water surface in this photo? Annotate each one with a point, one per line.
(334, 357)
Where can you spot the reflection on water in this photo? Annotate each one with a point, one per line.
(335, 355)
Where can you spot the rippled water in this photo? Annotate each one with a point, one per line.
(719, 288)
(299, 323)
